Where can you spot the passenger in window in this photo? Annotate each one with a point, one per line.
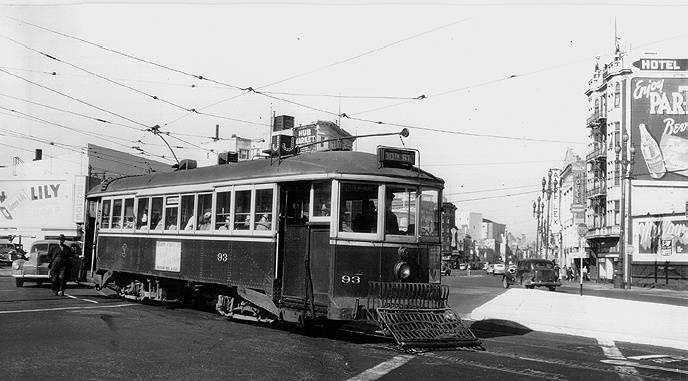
(129, 222)
(391, 222)
(156, 221)
(204, 224)
(263, 223)
(190, 223)
(226, 225)
(366, 222)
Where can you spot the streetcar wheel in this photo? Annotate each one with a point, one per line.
(19, 282)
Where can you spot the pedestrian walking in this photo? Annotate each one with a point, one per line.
(585, 273)
(60, 266)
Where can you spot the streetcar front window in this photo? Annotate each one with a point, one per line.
(223, 207)
(358, 208)
(242, 210)
(142, 214)
(263, 214)
(322, 192)
(429, 213)
(400, 210)
(105, 217)
(156, 214)
(117, 214)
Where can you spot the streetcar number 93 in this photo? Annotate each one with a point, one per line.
(222, 257)
(351, 279)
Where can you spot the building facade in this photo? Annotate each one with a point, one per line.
(572, 207)
(449, 231)
(638, 113)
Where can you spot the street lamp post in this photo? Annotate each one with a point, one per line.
(625, 173)
(538, 208)
(551, 188)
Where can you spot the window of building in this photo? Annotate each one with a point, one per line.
(156, 214)
(117, 214)
(204, 211)
(223, 207)
(242, 210)
(171, 212)
(129, 213)
(617, 95)
(105, 215)
(188, 218)
(263, 210)
(142, 214)
(358, 208)
(597, 105)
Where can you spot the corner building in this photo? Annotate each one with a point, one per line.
(644, 98)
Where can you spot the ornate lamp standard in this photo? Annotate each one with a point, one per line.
(626, 166)
(538, 208)
(551, 188)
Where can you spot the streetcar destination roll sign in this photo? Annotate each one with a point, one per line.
(396, 157)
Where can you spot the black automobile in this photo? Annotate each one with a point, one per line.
(531, 273)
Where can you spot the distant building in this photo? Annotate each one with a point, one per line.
(572, 208)
(448, 235)
(307, 137)
(471, 223)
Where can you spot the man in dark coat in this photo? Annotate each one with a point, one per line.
(60, 256)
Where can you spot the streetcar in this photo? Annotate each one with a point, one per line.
(329, 236)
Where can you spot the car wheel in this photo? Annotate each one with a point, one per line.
(19, 282)
(530, 286)
(449, 273)
(552, 288)
(39, 283)
(505, 282)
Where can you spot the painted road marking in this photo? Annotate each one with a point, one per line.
(625, 371)
(67, 308)
(382, 369)
(639, 365)
(86, 300)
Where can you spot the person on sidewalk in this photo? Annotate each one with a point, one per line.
(60, 266)
(585, 273)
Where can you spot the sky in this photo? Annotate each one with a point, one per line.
(501, 83)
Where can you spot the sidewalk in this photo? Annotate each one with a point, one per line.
(644, 316)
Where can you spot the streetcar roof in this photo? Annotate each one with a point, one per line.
(326, 164)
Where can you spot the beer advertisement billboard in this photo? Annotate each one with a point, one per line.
(659, 128)
(660, 239)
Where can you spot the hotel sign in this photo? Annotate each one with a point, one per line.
(662, 64)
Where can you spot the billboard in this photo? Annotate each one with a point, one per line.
(45, 203)
(659, 128)
(660, 239)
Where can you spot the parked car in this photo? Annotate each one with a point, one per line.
(6, 249)
(463, 266)
(489, 269)
(531, 273)
(498, 269)
(446, 269)
(34, 267)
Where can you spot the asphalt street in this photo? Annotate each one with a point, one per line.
(93, 335)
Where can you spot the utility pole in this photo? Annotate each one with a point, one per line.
(551, 188)
(625, 173)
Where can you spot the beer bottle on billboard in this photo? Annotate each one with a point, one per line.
(651, 153)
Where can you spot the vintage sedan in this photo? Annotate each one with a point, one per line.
(34, 267)
(498, 268)
(531, 273)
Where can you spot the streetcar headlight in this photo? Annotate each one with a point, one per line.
(403, 270)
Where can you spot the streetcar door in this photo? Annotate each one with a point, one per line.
(304, 247)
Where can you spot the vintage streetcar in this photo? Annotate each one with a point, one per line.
(331, 237)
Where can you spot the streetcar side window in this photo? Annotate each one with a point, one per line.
(129, 213)
(263, 210)
(204, 211)
(223, 208)
(242, 210)
(142, 213)
(429, 213)
(117, 214)
(400, 210)
(156, 214)
(171, 212)
(105, 216)
(358, 208)
(187, 213)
